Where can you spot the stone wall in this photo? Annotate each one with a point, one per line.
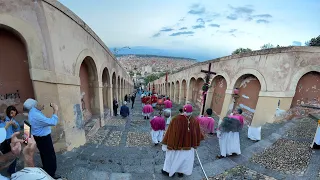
(58, 43)
(277, 70)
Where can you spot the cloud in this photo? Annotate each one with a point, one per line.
(296, 43)
(196, 9)
(182, 33)
(214, 25)
(232, 30)
(183, 28)
(259, 21)
(242, 10)
(166, 29)
(262, 16)
(200, 26)
(232, 17)
(156, 35)
(182, 19)
(201, 21)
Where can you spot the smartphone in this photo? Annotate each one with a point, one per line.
(26, 132)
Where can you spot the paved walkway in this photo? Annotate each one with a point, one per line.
(123, 150)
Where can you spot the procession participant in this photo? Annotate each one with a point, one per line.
(237, 114)
(158, 126)
(154, 100)
(181, 138)
(167, 115)
(181, 111)
(124, 110)
(143, 99)
(133, 98)
(167, 108)
(41, 131)
(11, 126)
(229, 140)
(147, 110)
(206, 122)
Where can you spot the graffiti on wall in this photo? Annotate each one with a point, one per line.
(9, 99)
(246, 81)
(217, 98)
(247, 113)
(78, 115)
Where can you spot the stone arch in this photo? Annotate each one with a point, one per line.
(218, 88)
(183, 91)
(121, 90)
(192, 84)
(177, 91)
(307, 90)
(168, 90)
(255, 73)
(83, 54)
(89, 87)
(15, 82)
(301, 72)
(225, 76)
(28, 36)
(106, 88)
(249, 88)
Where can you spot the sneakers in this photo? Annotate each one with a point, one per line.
(180, 175)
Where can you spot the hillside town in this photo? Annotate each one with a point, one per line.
(146, 64)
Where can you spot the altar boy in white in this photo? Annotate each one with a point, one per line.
(229, 140)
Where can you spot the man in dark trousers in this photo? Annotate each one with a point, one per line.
(41, 131)
(115, 107)
(133, 98)
(124, 110)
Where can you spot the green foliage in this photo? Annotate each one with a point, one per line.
(150, 78)
(268, 46)
(138, 73)
(314, 41)
(131, 73)
(241, 50)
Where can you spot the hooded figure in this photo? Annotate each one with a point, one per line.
(182, 137)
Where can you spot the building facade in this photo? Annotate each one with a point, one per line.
(50, 54)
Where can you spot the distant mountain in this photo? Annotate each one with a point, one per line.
(139, 50)
(156, 56)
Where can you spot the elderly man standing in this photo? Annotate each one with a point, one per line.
(41, 131)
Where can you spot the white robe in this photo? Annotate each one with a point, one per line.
(178, 161)
(157, 136)
(229, 143)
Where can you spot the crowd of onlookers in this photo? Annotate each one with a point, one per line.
(13, 142)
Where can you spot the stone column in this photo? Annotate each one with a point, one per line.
(180, 93)
(267, 105)
(209, 98)
(227, 103)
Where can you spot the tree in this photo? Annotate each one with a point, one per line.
(139, 73)
(150, 78)
(267, 46)
(131, 73)
(314, 41)
(241, 50)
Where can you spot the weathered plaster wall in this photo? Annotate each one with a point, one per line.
(277, 70)
(57, 42)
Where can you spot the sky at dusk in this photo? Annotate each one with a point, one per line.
(202, 30)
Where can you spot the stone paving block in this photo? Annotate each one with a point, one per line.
(138, 139)
(121, 176)
(113, 139)
(288, 156)
(274, 137)
(139, 169)
(218, 166)
(115, 122)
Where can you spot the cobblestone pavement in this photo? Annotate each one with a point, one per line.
(122, 149)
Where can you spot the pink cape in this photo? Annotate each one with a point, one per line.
(167, 104)
(238, 117)
(206, 123)
(147, 109)
(158, 123)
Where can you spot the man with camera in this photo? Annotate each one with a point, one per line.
(41, 131)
